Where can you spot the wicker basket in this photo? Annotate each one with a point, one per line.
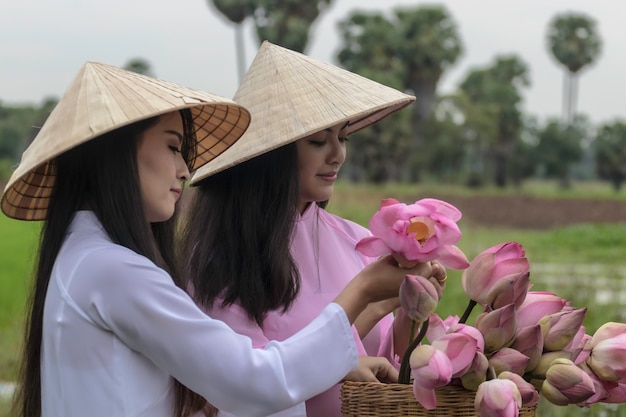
(365, 399)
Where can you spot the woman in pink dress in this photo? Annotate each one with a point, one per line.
(258, 211)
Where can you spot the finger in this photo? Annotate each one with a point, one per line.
(388, 373)
(404, 262)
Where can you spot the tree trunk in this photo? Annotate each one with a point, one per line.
(424, 91)
(499, 169)
(566, 97)
(239, 48)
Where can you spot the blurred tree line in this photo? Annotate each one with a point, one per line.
(476, 136)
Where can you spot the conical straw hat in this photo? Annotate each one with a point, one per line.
(291, 96)
(102, 98)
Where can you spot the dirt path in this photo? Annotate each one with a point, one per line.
(536, 213)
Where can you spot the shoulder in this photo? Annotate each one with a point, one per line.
(348, 227)
(92, 259)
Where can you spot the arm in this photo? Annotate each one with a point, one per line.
(373, 313)
(142, 307)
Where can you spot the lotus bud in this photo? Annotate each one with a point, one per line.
(481, 279)
(498, 327)
(578, 346)
(616, 395)
(529, 394)
(507, 359)
(607, 331)
(607, 358)
(418, 297)
(560, 328)
(511, 289)
(537, 305)
(546, 360)
(498, 397)
(566, 383)
(529, 341)
(477, 373)
(431, 369)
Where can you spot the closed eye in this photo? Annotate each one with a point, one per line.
(174, 149)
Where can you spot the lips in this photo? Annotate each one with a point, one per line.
(176, 191)
(329, 176)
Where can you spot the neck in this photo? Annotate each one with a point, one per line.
(303, 205)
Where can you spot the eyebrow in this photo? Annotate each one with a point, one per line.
(175, 133)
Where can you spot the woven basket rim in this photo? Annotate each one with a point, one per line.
(371, 399)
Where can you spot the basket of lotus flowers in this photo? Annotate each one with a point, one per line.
(521, 345)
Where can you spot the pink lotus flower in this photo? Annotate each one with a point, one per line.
(431, 369)
(423, 231)
(460, 348)
(418, 297)
(499, 273)
(437, 326)
(498, 398)
(566, 383)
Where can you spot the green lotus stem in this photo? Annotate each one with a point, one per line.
(412, 331)
(468, 311)
(404, 376)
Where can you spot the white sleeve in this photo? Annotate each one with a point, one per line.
(140, 304)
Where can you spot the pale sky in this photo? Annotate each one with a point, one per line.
(43, 44)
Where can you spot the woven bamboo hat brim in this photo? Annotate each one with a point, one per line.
(102, 98)
(291, 96)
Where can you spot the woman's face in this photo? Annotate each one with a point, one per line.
(320, 156)
(162, 168)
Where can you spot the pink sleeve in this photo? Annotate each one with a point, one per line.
(237, 319)
(387, 348)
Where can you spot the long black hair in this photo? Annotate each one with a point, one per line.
(100, 175)
(237, 235)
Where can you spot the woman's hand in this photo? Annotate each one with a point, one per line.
(380, 280)
(373, 369)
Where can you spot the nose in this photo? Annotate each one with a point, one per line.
(337, 154)
(182, 170)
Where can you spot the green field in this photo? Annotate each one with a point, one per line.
(580, 245)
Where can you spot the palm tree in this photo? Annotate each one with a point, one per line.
(415, 47)
(431, 46)
(287, 22)
(574, 42)
(236, 11)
